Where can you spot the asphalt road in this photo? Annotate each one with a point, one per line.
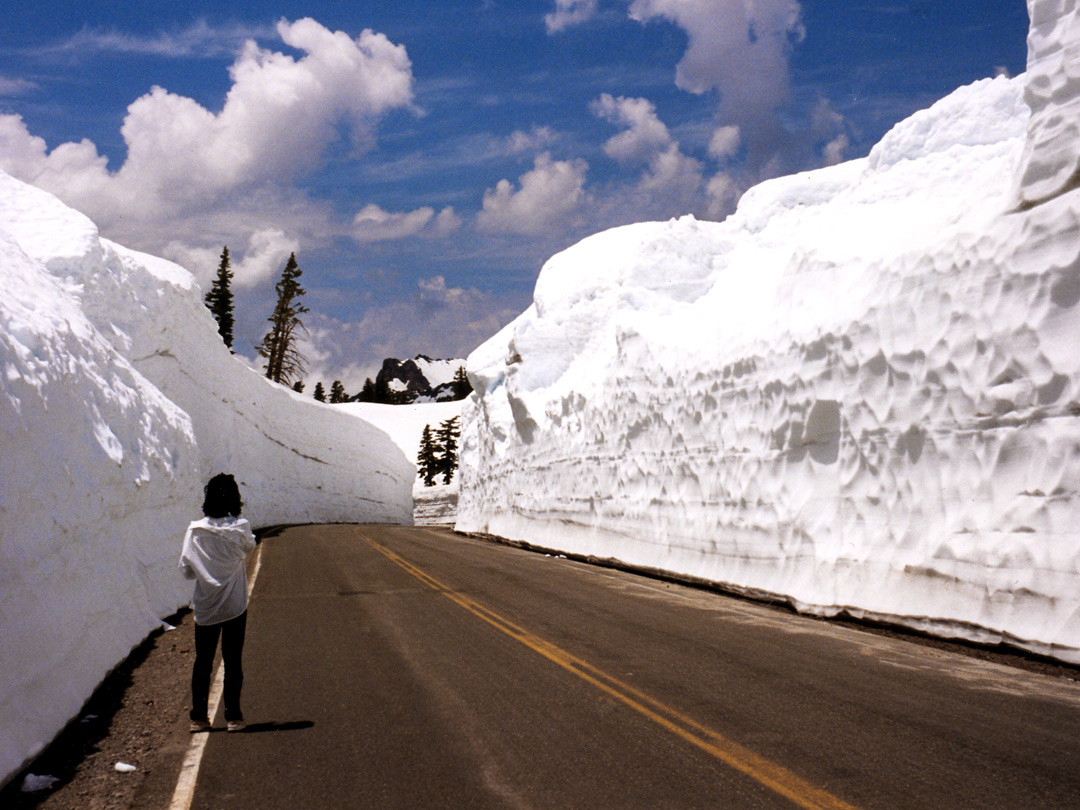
(391, 667)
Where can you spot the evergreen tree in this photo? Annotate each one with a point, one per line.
(446, 438)
(462, 386)
(367, 393)
(219, 299)
(283, 360)
(337, 392)
(427, 461)
(382, 391)
(298, 386)
(320, 392)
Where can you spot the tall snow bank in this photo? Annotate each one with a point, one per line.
(1051, 161)
(118, 401)
(860, 392)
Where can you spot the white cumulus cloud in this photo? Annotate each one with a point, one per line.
(670, 174)
(725, 142)
(737, 47)
(645, 134)
(184, 162)
(548, 193)
(262, 260)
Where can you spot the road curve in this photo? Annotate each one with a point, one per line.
(394, 667)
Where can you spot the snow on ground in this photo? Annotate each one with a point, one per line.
(438, 372)
(118, 402)
(861, 392)
(404, 424)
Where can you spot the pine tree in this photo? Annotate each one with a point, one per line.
(446, 437)
(219, 299)
(427, 461)
(462, 386)
(337, 392)
(283, 360)
(382, 392)
(298, 386)
(320, 392)
(367, 393)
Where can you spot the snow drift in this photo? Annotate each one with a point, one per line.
(861, 392)
(118, 402)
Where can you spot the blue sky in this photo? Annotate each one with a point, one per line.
(423, 159)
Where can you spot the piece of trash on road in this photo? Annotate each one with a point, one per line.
(32, 783)
(123, 767)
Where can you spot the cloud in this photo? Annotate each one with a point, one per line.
(199, 39)
(741, 49)
(447, 221)
(521, 142)
(736, 47)
(723, 192)
(549, 193)
(279, 115)
(672, 175)
(568, 13)
(267, 251)
(725, 142)
(645, 135)
(373, 224)
(10, 88)
(183, 161)
(834, 150)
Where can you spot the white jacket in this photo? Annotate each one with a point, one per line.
(215, 550)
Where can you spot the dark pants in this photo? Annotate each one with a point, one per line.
(232, 648)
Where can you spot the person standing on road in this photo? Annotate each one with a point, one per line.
(214, 555)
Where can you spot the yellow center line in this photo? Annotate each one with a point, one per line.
(739, 757)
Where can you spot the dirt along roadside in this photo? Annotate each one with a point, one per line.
(138, 717)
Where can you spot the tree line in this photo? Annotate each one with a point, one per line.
(284, 362)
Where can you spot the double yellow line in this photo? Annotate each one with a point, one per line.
(739, 757)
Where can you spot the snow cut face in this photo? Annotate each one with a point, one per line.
(860, 392)
(1052, 158)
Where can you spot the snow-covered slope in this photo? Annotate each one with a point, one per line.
(438, 372)
(118, 401)
(860, 392)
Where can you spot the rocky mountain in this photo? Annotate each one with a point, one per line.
(419, 379)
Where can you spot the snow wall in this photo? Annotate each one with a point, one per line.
(860, 393)
(118, 402)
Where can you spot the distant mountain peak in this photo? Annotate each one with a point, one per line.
(418, 379)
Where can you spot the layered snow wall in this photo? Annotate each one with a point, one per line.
(118, 401)
(861, 392)
(1051, 162)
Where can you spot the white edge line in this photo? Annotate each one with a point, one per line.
(189, 771)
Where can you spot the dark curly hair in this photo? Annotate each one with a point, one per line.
(222, 497)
